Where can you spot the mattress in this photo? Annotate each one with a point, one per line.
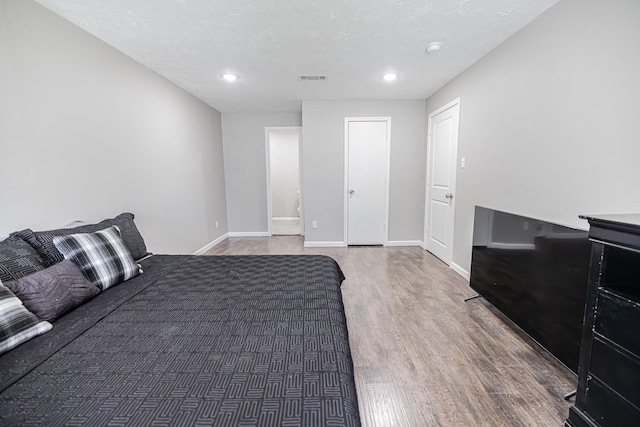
(194, 340)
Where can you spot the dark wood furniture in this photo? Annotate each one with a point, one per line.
(609, 372)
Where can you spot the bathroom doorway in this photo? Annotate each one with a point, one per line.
(284, 190)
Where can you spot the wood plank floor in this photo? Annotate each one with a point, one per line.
(423, 356)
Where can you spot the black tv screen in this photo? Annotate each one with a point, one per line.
(535, 273)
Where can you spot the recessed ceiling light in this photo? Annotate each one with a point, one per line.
(390, 77)
(230, 77)
(433, 47)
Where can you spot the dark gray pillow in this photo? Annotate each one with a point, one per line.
(52, 292)
(18, 259)
(42, 241)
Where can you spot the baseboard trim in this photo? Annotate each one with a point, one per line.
(404, 243)
(249, 234)
(325, 244)
(210, 245)
(461, 271)
(285, 218)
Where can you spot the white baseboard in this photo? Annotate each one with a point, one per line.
(285, 218)
(461, 271)
(249, 234)
(325, 244)
(285, 226)
(403, 243)
(344, 245)
(208, 246)
(455, 267)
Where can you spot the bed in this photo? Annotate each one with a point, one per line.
(194, 340)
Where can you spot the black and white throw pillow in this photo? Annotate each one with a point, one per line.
(102, 256)
(17, 324)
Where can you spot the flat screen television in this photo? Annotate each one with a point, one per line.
(535, 272)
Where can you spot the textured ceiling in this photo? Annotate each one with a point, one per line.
(269, 43)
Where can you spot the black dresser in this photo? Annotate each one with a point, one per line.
(609, 372)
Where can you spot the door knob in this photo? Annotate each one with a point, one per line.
(449, 196)
(352, 191)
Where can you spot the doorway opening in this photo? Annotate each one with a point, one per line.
(284, 190)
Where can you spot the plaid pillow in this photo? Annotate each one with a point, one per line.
(102, 256)
(17, 324)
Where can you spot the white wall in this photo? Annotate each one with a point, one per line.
(87, 133)
(285, 172)
(323, 166)
(246, 167)
(549, 120)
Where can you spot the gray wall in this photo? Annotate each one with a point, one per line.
(246, 167)
(549, 120)
(87, 133)
(323, 166)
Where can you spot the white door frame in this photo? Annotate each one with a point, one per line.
(348, 120)
(267, 150)
(453, 180)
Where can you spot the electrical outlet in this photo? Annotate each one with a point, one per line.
(314, 224)
(217, 225)
(463, 162)
(525, 225)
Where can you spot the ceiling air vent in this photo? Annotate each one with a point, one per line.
(312, 77)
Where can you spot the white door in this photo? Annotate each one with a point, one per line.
(366, 181)
(441, 180)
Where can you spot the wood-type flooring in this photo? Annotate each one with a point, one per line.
(423, 356)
